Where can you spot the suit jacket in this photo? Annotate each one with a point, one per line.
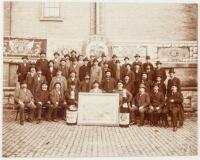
(43, 64)
(56, 63)
(108, 84)
(25, 97)
(42, 96)
(22, 70)
(157, 99)
(112, 65)
(83, 70)
(76, 69)
(162, 88)
(141, 100)
(50, 75)
(64, 70)
(134, 63)
(160, 71)
(56, 97)
(37, 83)
(170, 82)
(29, 81)
(145, 65)
(118, 74)
(178, 100)
(128, 95)
(62, 80)
(129, 86)
(69, 81)
(131, 75)
(148, 85)
(84, 87)
(150, 75)
(70, 100)
(95, 74)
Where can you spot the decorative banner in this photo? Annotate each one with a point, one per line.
(22, 46)
(98, 109)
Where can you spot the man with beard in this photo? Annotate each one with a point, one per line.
(108, 84)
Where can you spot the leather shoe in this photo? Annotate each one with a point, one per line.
(22, 122)
(174, 129)
(39, 121)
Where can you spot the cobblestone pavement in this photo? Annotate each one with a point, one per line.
(56, 139)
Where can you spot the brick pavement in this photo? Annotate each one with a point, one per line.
(56, 139)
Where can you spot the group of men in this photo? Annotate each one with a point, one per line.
(56, 83)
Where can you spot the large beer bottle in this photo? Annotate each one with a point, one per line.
(124, 111)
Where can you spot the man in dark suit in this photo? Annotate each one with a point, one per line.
(160, 70)
(37, 81)
(105, 68)
(90, 63)
(63, 68)
(150, 73)
(117, 75)
(108, 84)
(161, 84)
(103, 59)
(137, 61)
(84, 69)
(146, 82)
(128, 84)
(56, 60)
(140, 103)
(71, 95)
(42, 63)
(30, 77)
(25, 99)
(57, 98)
(172, 80)
(157, 102)
(138, 75)
(74, 67)
(85, 86)
(51, 72)
(42, 99)
(147, 63)
(174, 103)
(112, 63)
(126, 61)
(23, 69)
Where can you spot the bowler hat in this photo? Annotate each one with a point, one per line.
(119, 81)
(95, 82)
(114, 56)
(57, 83)
(56, 53)
(142, 86)
(158, 62)
(67, 55)
(108, 71)
(128, 64)
(51, 61)
(25, 57)
(137, 55)
(73, 51)
(148, 57)
(63, 59)
(95, 60)
(85, 59)
(74, 59)
(126, 58)
(117, 61)
(171, 70)
(42, 52)
(103, 55)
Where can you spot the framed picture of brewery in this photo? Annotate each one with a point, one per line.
(98, 109)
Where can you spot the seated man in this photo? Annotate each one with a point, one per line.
(85, 85)
(57, 98)
(108, 84)
(157, 102)
(95, 88)
(42, 99)
(139, 103)
(72, 95)
(174, 104)
(25, 99)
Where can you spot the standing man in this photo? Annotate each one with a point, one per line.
(42, 63)
(57, 98)
(71, 95)
(146, 82)
(23, 69)
(148, 62)
(63, 68)
(159, 70)
(30, 78)
(117, 71)
(103, 59)
(112, 63)
(85, 85)
(137, 61)
(38, 80)
(140, 103)
(72, 79)
(172, 80)
(174, 103)
(95, 72)
(56, 60)
(128, 84)
(157, 102)
(84, 69)
(74, 67)
(25, 99)
(51, 72)
(126, 61)
(108, 84)
(161, 84)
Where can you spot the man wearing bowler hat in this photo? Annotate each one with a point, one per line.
(157, 102)
(140, 103)
(103, 59)
(148, 63)
(174, 104)
(112, 63)
(63, 68)
(172, 80)
(74, 67)
(42, 63)
(84, 69)
(51, 72)
(159, 70)
(137, 61)
(56, 60)
(108, 83)
(23, 69)
(126, 61)
(118, 72)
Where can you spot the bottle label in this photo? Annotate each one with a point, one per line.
(124, 118)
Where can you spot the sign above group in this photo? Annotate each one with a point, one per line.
(98, 109)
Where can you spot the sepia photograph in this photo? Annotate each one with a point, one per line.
(99, 79)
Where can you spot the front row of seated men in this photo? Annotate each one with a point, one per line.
(151, 107)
